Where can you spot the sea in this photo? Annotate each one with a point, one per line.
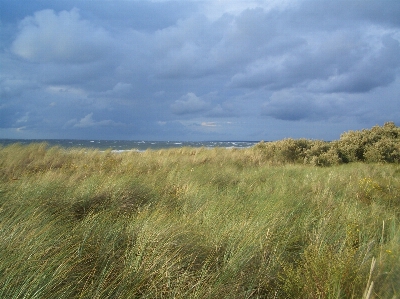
(124, 145)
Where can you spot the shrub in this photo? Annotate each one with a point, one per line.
(322, 153)
(284, 151)
(379, 144)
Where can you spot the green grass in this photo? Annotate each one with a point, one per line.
(194, 223)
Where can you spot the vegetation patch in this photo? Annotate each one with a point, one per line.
(261, 222)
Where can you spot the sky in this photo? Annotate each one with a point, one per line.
(197, 70)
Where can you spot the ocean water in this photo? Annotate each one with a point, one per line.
(123, 145)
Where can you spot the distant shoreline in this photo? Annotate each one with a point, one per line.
(123, 145)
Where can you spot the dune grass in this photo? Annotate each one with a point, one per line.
(194, 223)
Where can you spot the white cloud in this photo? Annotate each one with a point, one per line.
(208, 124)
(214, 9)
(189, 103)
(120, 89)
(62, 37)
(65, 89)
(23, 119)
(88, 121)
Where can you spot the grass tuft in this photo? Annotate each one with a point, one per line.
(196, 223)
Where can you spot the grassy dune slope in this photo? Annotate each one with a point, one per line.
(195, 223)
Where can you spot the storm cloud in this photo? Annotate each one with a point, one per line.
(201, 70)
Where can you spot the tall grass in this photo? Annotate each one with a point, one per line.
(195, 223)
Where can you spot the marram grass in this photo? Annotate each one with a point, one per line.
(194, 223)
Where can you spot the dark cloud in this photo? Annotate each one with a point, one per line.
(341, 60)
(376, 68)
(293, 106)
(196, 69)
(330, 13)
(8, 116)
(13, 87)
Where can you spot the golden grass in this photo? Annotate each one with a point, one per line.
(194, 223)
